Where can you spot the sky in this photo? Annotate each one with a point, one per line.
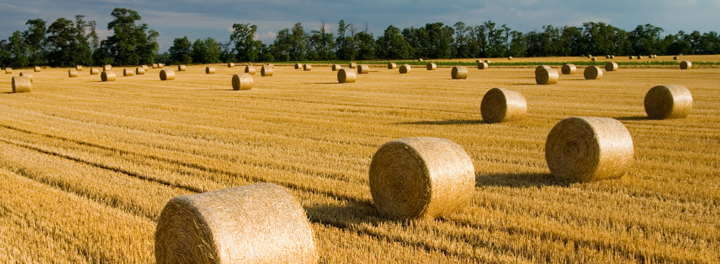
(200, 19)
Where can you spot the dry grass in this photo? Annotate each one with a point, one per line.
(86, 166)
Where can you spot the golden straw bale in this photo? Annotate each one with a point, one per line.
(611, 66)
(589, 148)
(540, 68)
(593, 59)
(675, 58)
(392, 66)
(78, 68)
(363, 69)
(107, 67)
(482, 65)
(94, 71)
(182, 68)
(242, 81)
(352, 65)
(107, 76)
(140, 71)
(668, 101)
(298, 66)
(478, 61)
(487, 61)
(209, 70)
(421, 178)
(72, 73)
(307, 67)
(431, 66)
(37, 69)
(459, 72)
(266, 70)
(684, 65)
(128, 72)
(639, 57)
(420, 60)
(631, 57)
(346, 76)
(510, 58)
(160, 65)
(568, 68)
(231, 65)
(546, 75)
(250, 69)
(405, 68)
(155, 66)
(500, 105)
(145, 67)
(259, 223)
(336, 67)
(8, 70)
(167, 75)
(593, 73)
(21, 84)
(27, 74)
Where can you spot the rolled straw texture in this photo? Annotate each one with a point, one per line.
(431, 66)
(546, 75)
(231, 65)
(259, 223)
(8, 70)
(182, 68)
(37, 69)
(499, 105)
(487, 61)
(363, 69)
(154, 66)
(128, 72)
(107, 67)
(336, 67)
(140, 71)
(593, 73)
(298, 66)
(668, 101)
(675, 58)
(639, 57)
(684, 65)
(145, 67)
(482, 65)
(242, 81)
(250, 69)
(593, 59)
(510, 58)
(21, 84)
(631, 57)
(27, 74)
(107, 76)
(209, 70)
(405, 68)
(540, 68)
(78, 67)
(266, 70)
(568, 68)
(72, 73)
(459, 72)
(392, 66)
(352, 65)
(94, 71)
(160, 65)
(307, 67)
(346, 76)
(589, 148)
(611, 66)
(421, 178)
(167, 75)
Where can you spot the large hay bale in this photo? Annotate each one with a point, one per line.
(546, 75)
(37, 69)
(259, 223)
(250, 69)
(431, 66)
(499, 105)
(336, 67)
(346, 76)
(593, 73)
(107, 76)
(298, 66)
(668, 101)
(209, 70)
(270, 65)
(266, 70)
(140, 71)
(78, 68)
(72, 73)
(405, 68)
(589, 148)
(182, 68)
(363, 69)
(307, 67)
(27, 74)
(167, 75)
(94, 71)
(482, 65)
(128, 72)
(421, 178)
(568, 68)
(611, 66)
(242, 81)
(459, 72)
(352, 65)
(684, 65)
(8, 70)
(392, 66)
(21, 84)
(231, 65)
(107, 67)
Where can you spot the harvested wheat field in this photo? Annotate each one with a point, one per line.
(87, 166)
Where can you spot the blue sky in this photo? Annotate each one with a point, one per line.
(214, 18)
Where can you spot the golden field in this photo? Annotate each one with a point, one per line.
(86, 166)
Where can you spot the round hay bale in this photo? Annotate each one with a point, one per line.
(167, 75)
(160, 65)
(589, 148)
(209, 70)
(611, 66)
(140, 71)
(431, 66)
(684, 65)
(499, 105)
(242, 81)
(478, 61)
(78, 68)
(405, 68)
(266, 70)
(612, 56)
(8, 70)
(307, 67)
(509, 57)
(155, 66)
(250, 70)
(363, 69)
(639, 57)
(107, 67)
(145, 67)
(680, 54)
(298, 66)
(675, 58)
(421, 177)
(336, 67)
(182, 68)
(459, 72)
(482, 65)
(27, 74)
(21, 84)
(259, 223)
(37, 69)
(487, 61)
(668, 101)
(568, 68)
(231, 65)
(593, 73)
(392, 66)
(631, 57)
(546, 75)
(593, 59)
(607, 56)
(94, 71)
(346, 76)
(128, 72)
(107, 76)
(352, 65)
(589, 56)
(72, 73)
(420, 60)
(270, 65)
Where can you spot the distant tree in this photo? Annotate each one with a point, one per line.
(18, 50)
(365, 43)
(4, 54)
(645, 39)
(248, 49)
(205, 51)
(281, 48)
(392, 45)
(438, 41)
(321, 45)
(417, 39)
(34, 37)
(68, 44)
(518, 44)
(131, 43)
(298, 43)
(180, 51)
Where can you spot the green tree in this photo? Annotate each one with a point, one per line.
(321, 44)
(282, 45)
(365, 45)
(392, 45)
(34, 37)
(67, 43)
(180, 51)
(518, 44)
(438, 41)
(248, 49)
(298, 43)
(18, 50)
(131, 43)
(645, 39)
(206, 51)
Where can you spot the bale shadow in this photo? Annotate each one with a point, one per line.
(632, 118)
(445, 122)
(343, 216)
(520, 180)
(325, 83)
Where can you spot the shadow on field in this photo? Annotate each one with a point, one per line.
(519, 180)
(445, 122)
(632, 118)
(324, 83)
(342, 216)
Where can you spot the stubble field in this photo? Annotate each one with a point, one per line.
(86, 166)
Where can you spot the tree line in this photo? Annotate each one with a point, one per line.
(67, 42)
